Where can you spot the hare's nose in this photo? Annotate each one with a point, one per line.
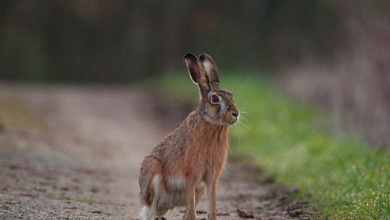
(235, 114)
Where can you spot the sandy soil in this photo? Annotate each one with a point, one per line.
(73, 152)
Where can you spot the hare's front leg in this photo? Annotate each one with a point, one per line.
(212, 199)
(190, 193)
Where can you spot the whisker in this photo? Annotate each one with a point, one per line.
(247, 126)
(236, 128)
(243, 112)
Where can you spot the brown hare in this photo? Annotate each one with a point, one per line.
(189, 161)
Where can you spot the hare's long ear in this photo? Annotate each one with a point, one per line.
(198, 73)
(211, 69)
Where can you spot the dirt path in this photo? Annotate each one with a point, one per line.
(74, 152)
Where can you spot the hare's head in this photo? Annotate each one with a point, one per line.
(216, 105)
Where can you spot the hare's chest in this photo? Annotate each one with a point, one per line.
(206, 159)
(216, 155)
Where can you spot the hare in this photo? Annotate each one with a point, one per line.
(189, 161)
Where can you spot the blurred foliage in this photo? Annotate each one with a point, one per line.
(295, 144)
(124, 40)
(120, 41)
(355, 86)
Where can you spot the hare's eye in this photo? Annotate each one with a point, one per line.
(214, 99)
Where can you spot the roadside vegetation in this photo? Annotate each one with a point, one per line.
(294, 144)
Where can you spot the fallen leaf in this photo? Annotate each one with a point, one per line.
(201, 212)
(223, 214)
(65, 188)
(94, 190)
(244, 214)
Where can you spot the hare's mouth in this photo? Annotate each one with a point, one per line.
(234, 120)
(230, 118)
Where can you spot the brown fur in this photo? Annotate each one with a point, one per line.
(194, 154)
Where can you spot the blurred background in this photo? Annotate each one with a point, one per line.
(332, 53)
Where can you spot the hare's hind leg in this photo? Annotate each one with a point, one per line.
(155, 208)
(199, 192)
(160, 215)
(156, 197)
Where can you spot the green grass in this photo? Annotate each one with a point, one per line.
(294, 143)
